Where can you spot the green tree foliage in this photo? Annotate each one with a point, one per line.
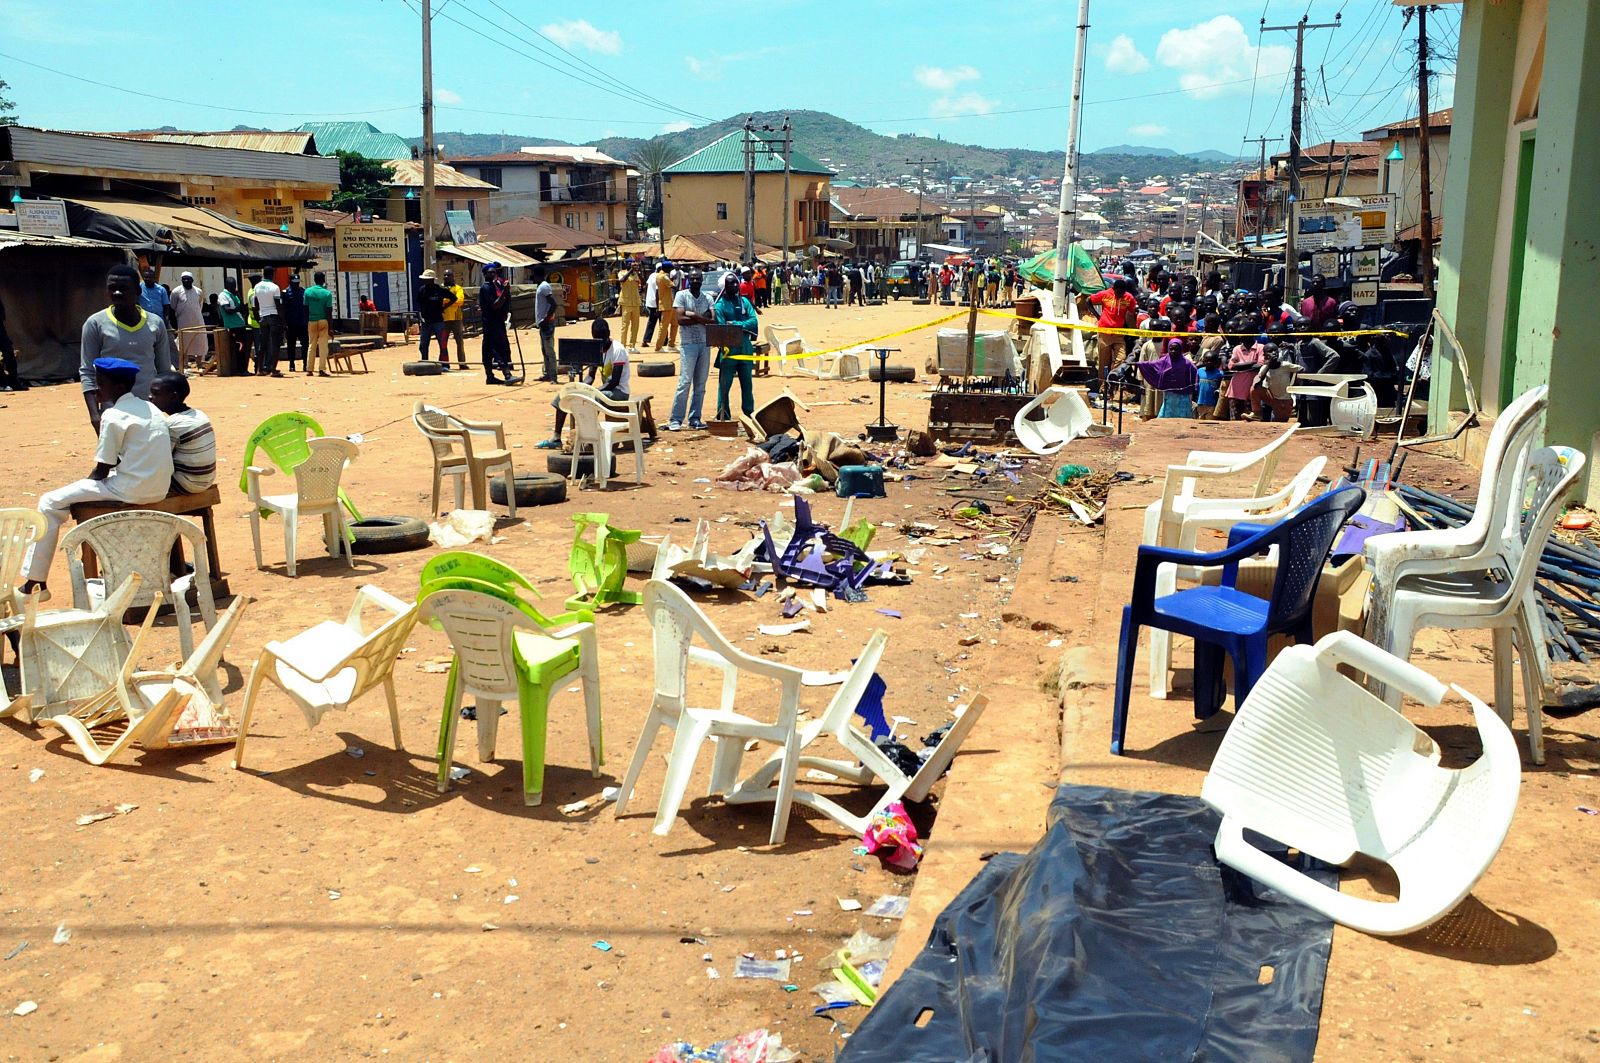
(7, 108)
(651, 157)
(363, 183)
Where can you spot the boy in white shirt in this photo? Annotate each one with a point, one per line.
(133, 462)
(614, 375)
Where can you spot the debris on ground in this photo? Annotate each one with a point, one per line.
(109, 812)
(757, 1046)
(893, 837)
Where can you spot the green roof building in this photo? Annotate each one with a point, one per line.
(363, 138)
(704, 192)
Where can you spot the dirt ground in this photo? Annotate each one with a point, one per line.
(317, 905)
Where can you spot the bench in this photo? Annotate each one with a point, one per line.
(341, 350)
(198, 505)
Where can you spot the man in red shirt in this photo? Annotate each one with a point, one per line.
(1116, 307)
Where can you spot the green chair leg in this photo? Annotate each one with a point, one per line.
(535, 704)
(447, 725)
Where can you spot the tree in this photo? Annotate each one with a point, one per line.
(363, 183)
(1114, 209)
(6, 106)
(652, 157)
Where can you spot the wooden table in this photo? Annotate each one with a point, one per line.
(215, 332)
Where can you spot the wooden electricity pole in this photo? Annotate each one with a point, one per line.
(749, 192)
(1425, 259)
(1261, 190)
(429, 252)
(1291, 257)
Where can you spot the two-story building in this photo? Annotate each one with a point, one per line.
(884, 224)
(578, 188)
(704, 191)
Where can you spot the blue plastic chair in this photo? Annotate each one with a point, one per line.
(1222, 619)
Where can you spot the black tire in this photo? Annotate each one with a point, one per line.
(561, 465)
(895, 374)
(388, 535)
(422, 368)
(656, 368)
(532, 489)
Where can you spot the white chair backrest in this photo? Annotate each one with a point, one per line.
(442, 431)
(131, 541)
(785, 339)
(1069, 412)
(1302, 483)
(19, 530)
(675, 622)
(67, 661)
(586, 413)
(202, 663)
(840, 713)
(1552, 474)
(375, 656)
(480, 628)
(317, 478)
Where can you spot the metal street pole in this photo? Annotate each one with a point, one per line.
(1425, 259)
(429, 252)
(1291, 256)
(788, 140)
(749, 192)
(1262, 185)
(1067, 221)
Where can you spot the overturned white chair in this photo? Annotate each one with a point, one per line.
(1064, 416)
(1315, 762)
(70, 657)
(785, 344)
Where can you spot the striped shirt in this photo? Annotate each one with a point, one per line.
(194, 450)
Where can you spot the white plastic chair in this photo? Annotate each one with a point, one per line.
(1066, 417)
(19, 530)
(1493, 529)
(1492, 597)
(167, 709)
(1316, 763)
(466, 450)
(599, 429)
(1355, 412)
(141, 541)
(316, 495)
(1218, 514)
(785, 340)
(71, 656)
(676, 622)
(331, 664)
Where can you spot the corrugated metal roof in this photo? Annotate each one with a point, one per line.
(15, 238)
(408, 174)
(291, 143)
(529, 230)
(487, 251)
(726, 155)
(363, 138)
(57, 152)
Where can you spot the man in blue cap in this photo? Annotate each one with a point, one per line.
(125, 331)
(133, 461)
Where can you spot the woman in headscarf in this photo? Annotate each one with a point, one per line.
(1174, 376)
(732, 308)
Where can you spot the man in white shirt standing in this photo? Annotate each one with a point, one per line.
(133, 462)
(188, 305)
(266, 296)
(652, 307)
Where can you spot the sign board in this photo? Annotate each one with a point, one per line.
(463, 230)
(376, 248)
(274, 216)
(1321, 225)
(45, 217)
(1365, 263)
(1325, 263)
(1364, 293)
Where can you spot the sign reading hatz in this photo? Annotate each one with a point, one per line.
(377, 247)
(1345, 223)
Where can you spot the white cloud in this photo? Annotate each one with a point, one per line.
(578, 33)
(1124, 57)
(445, 96)
(708, 69)
(676, 127)
(1217, 59)
(942, 79)
(1148, 129)
(968, 103)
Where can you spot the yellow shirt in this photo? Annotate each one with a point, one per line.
(629, 294)
(453, 311)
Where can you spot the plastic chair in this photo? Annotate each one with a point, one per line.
(774, 417)
(1221, 514)
(503, 651)
(168, 709)
(1316, 763)
(675, 624)
(599, 428)
(141, 541)
(1356, 411)
(1491, 596)
(462, 450)
(1222, 618)
(70, 656)
(639, 404)
(1066, 417)
(19, 530)
(332, 664)
(464, 564)
(316, 494)
(599, 567)
(1493, 529)
(284, 439)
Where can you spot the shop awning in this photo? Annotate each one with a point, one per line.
(185, 234)
(486, 251)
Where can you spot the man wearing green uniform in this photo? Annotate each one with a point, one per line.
(319, 321)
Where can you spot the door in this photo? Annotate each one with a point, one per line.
(1519, 246)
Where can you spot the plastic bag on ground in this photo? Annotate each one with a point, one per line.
(461, 527)
(893, 836)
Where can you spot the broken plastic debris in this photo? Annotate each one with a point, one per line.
(27, 1007)
(750, 967)
(889, 906)
(849, 905)
(36, 774)
(511, 898)
(354, 751)
(784, 629)
(105, 813)
(458, 773)
(891, 612)
(575, 807)
(62, 935)
(603, 946)
(334, 895)
(473, 870)
(711, 972)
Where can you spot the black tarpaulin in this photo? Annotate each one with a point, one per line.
(1118, 937)
(185, 234)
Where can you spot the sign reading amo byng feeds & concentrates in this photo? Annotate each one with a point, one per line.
(379, 247)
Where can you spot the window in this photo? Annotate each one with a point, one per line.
(599, 223)
(570, 219)
(490, 174)
(722, 212)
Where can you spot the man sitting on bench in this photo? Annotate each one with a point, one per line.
(614, 374)
(194, 445)
(133, 462)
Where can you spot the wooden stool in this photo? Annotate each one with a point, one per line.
(196, 505)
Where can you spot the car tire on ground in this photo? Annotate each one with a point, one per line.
(422, 368)
(656, 368)
(532, 489)
(388, 535)
(561, 464)
(895, 374)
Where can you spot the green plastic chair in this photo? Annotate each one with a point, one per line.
(465, 564)
(599, 567)
(503, 650)
(284, 439)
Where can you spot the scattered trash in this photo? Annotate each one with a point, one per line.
(802, 911)
(36, 774)
(27, 1007)
(458, 773)
(21, 947)
(889, 906)
(893, 837)
(832, 1005)
(713, 973)
(750, 967)
(511, 898)
(334, 895)
(895, 613)
(575, 807)
(784, 629)
(489, 926)
(461, 527)
(62, 935)
(849, 905)
(757, 1046)
(438, 666)
(108, 812)
(473, 870)
(354, 751)
(603, 946)
(1585, 809)
(1068, 473)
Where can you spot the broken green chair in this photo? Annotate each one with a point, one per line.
(599, 566)
(284, 439)
(505, 648)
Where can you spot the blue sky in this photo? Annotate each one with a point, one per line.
(1175, 74)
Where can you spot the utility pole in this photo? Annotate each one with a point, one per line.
(1425, 259)
(922, 176)
(749, 192)
(1067, 220)
(788, 141)
(1203, 202)
(1262, 185)
(1291, 257)
(429, 252)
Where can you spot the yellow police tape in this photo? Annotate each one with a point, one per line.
(1081, 326)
